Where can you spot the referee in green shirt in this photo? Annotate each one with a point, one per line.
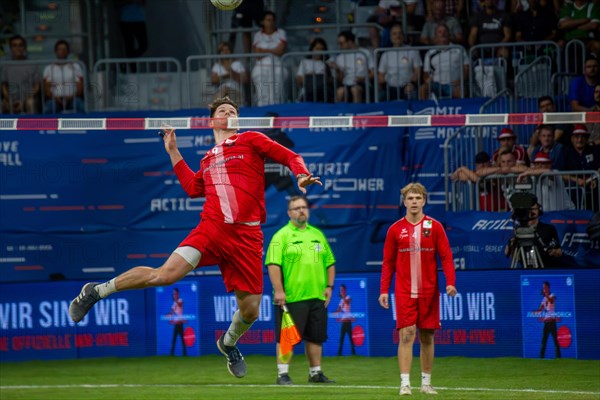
(301, 267)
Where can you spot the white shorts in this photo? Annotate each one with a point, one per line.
(189, 254)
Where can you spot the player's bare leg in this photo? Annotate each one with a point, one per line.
(405, 349)
(427, 355)
(243, 318)
(173, 270)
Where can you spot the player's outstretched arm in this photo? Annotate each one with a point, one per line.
(170, 141)
(307, 180)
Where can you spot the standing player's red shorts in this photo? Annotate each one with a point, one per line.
(423, 312)
(236, 248)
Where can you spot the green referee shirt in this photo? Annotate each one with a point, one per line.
(304, 256)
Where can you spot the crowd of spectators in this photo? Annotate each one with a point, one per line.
(420, 51)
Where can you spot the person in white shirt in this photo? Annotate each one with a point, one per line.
(399, 69)
(63, 83)
(267, 73)
(355, 69)
(313, 74)
(229, 76)
(444, 69)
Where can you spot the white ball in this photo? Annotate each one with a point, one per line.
(226, 4)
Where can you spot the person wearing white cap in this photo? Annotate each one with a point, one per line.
(507, 139)
(550, 189)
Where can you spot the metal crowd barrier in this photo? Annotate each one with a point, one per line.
(555, 190)
(322, 88)
(128, 84)
(29, 96)
(518, 56)
(200, 90)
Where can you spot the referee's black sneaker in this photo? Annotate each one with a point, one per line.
(284, 379)
(319, 377)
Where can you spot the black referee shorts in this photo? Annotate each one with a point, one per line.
(310, 317)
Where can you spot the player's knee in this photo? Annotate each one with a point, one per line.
(160, 277)
(249, 314)
(426, 337)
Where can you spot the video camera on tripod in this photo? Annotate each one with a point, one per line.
(524, 249)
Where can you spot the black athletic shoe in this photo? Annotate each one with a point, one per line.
(83, 303)
(319, 377)
(284, 379)
(235, 361)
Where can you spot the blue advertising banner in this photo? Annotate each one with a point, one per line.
(425, 152)
(119, 186)
(478, 239)
(35, 324)
(548, 312)
(494, 314)
(349, 335)
(177, 322)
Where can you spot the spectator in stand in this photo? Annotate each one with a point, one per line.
(132, 21)
(594, 128)
(536, 23)
(20, 82)
(229, 76)
(507, 141)
(399, 69)
(580, 20)
(456, 8)
(581, 89)
(548, 146)
(491, 197)
(483, 167)
(415, 14)
(444, 70)
(581, 156)
(549, 189)
(438, 16)
(386, 14)
(491, 26)
(354, 68)
(561, 131)
(270, 40)
(243, 17)
(63, 83)
(314, 76)
(477, 6)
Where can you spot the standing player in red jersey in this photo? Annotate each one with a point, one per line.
(410, 251)
(231, 177)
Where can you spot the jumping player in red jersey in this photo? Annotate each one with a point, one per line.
(231, 177)
(410, 252)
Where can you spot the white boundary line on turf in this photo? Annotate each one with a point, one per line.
(334, 386)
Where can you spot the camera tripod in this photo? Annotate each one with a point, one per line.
(525, 250)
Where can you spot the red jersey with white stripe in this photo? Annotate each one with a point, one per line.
(232, 177)
(410, 252)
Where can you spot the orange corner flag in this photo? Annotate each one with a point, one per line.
(288, 337)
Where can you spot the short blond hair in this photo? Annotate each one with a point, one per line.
(414, 187)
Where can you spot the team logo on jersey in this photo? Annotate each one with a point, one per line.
(403, 234)
(427, 225)
(230, 142)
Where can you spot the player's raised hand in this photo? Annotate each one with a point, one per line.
(307, 180)
(169, 138)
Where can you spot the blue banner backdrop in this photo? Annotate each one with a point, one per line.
(490, 317)
(92, 204)
(478, 239)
